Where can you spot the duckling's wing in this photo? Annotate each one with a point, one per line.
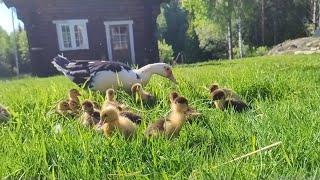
(156, 127)
(132, 117)
(237, 105)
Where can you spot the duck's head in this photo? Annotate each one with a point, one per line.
(164, 70)
(74, 105)
(180, 104)
(74, 93)
(63, 105)
(214, 87)
(136, 88)
(87, 106)
(109, 115)
(110, 93)
(218, 94)
(173, 95)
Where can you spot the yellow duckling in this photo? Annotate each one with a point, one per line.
(192, 112)
(4, 114)
(112, 121)
(90, 116)
(172, 124)
(110, 100)
(222, 102)
(142, 95)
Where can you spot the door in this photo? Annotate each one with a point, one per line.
(120, 42)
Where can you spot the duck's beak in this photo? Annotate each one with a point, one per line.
(173, 79)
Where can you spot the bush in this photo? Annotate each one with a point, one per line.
(260, 51)
(165, 51)
(5, 70)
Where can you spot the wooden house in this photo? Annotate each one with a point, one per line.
(117, 30)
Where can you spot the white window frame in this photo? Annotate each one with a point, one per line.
(71, 23)
(109, 46)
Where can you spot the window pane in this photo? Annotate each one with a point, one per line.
(78, 32)
(66, 36)
(119, 36)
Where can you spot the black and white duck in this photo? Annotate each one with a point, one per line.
(102, 75)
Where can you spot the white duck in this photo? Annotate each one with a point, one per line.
(102, 75)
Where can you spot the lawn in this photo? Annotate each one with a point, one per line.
(283, 90)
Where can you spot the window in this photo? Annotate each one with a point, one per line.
(119, 35)
(72, 34)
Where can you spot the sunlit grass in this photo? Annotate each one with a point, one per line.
(284, 91)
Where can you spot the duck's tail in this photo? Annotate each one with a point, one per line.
(76, 72)
(61, 63)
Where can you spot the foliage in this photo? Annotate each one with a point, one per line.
(165, 51)
(283, 91)
(7, 59)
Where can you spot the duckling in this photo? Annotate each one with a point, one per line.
(74, 95)
(192, 112)
(229, 93)
(90, 116)
(222, 102)
(143, 96)
(172, 124)
(4, 114)
(110, 100)
(75, 107)
(112, 120)
(63, 108)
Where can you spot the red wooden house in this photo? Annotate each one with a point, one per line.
(118, 30)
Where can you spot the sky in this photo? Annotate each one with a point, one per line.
(5, 18)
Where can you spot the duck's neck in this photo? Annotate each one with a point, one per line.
(147, 71)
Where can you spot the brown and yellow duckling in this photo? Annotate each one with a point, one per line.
(113, 121)
(192, 112)
(228, 92)
(141, 94)
(90, 116)
(172, 124)
(4, 114)
(63, 108)
(110, 100)
(222, 102)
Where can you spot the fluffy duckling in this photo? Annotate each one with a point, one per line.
(172, 124)
(75, 107)
(90, 116)
(229, 93)
(222, 102)
(112, 120)
(74, 95)
(142, 95)
(63, 108)
(192, 112)
(4, 114)
(110, 100)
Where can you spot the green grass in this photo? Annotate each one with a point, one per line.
(284, 91)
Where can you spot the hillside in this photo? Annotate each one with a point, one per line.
(307, 45)
(283, 90)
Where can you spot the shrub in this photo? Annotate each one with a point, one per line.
(165, 51)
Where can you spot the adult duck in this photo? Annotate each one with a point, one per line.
(102, 75)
